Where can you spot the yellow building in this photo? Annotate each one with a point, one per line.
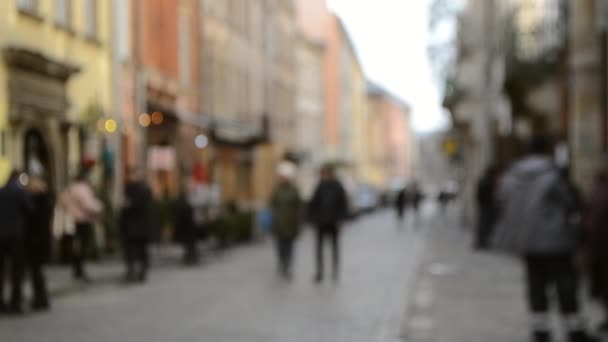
(360, 122)
(56, 75)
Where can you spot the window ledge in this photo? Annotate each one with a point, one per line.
(66, 28)
(93, 39)
(32, 14)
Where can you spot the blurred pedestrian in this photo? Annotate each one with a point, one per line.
(15, 208)
(444, 199)
(82, 208)
(136, 226)
(328, 210)
(486, 205)
(595, 224)
(286, 207)
(401, 204)
(38, 240)
(185, 227)
(415, 198)
(536, 208)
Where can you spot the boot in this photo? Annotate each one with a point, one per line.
(541, 336)
(580, 336)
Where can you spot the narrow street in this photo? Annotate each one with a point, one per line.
(238, 297)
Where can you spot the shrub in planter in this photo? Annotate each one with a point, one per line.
(232, 227)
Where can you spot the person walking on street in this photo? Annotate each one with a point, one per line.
(415, 199)
(136, 227)
(38, 240)
(286, 207)
(328, 209)
(486, 205)
(536, 208)
(595, 225)
(15, 208)
(401, 204)
(185, 227)
(82, 208)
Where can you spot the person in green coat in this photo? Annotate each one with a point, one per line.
(286, 207)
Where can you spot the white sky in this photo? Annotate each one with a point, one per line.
(391, 37)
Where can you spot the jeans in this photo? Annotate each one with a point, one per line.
(136, 258)
(285, 254)
(39, 285)
(80, 248)
(12, 253)
(330, 231)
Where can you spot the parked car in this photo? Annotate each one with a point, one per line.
(366, 199)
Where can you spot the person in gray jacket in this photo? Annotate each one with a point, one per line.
(536, 204)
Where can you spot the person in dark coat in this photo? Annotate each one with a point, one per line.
(415, 198)
(328, 209)
(136, 227)
(185, 227)
(401, 204)
(286, 207)
(595, 223)
(486, 205)
(15, 208)
(38, 240)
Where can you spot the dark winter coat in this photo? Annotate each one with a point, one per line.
(329, 204)
(595, 224)
(15, 208)
(185, 228)
(136, 218)
(39, 234)
(286, 207)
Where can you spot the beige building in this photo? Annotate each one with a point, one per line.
(249, 92)
(310, 110)
(360, 126)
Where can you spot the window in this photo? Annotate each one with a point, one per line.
(90, 24)
(62, 12)
(28, 5)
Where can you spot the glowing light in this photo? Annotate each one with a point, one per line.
(201, 141)
(144, 119)
(157, 118)
(111, 125)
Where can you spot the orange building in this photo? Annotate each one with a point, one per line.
(160, 56)
(390, 137)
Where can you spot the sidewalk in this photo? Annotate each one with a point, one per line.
(466, 296)
(110, 271)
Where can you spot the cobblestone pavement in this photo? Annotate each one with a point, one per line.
(239, 298)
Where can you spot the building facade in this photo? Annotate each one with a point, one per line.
(391, 143)
(310, 110)
(249, 92)
(587, 125)
(56, 68)
(158, 57)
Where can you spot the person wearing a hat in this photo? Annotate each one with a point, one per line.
(286, 207)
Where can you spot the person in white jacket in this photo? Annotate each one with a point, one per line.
(82, 207)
